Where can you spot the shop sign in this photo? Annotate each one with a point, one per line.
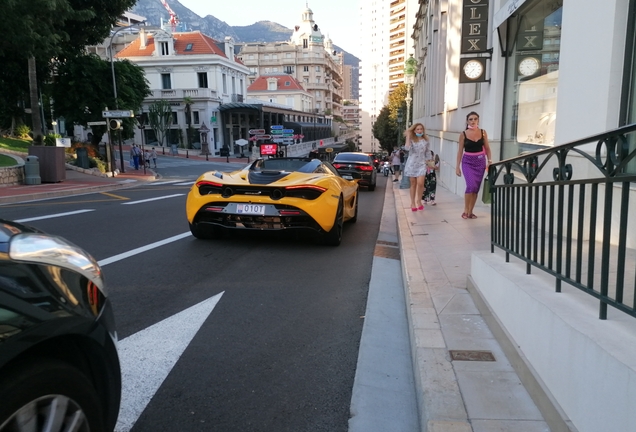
(474, 27)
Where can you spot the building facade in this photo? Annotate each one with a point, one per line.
(533, 92)
(386, 43)
(309, 57)
(283, 90)
(191, 67)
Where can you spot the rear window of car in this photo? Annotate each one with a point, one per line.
(351, 157)
(289, 165)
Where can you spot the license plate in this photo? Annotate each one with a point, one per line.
(347, 177)
(253, 209)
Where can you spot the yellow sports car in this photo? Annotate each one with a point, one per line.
(274, 194)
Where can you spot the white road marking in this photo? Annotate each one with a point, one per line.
(151, 199)
(162, 183)
(139, 250)
(147, 357)
(54, 215)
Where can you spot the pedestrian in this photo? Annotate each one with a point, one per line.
(415, 167)
(474, 156)
(153, 155)
(430, 181)
(396, 162)
(136, 153)
(147, 158)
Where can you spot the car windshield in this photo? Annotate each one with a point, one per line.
(351, 157)
(289, 164)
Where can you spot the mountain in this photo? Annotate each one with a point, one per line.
(261, 31)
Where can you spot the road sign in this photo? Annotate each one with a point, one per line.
(117, 114)
(277, 131)
(288, 131)
(97, 123)
(275, 127)
(278, 140)
(263, 137)
(257, 131)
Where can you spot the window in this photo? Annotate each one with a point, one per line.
(188, 47)
(275, 69)
(174, 118)
(224, 84)
(241, 84)
(271, 85)
(166, 83)
(532, 75)
(305, 43)
(250, 56)
(305, 68)
(288, 55)
(164, 48)
(287, 83)
(233, 85)
(317, 68)
(195, 117)
(289, 70)
(628, 108)
(203, 79)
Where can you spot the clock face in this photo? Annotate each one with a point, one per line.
(528, 66)
(473, 69)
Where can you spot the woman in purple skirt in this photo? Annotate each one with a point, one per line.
(474, 157)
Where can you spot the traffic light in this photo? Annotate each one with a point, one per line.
(114, 124)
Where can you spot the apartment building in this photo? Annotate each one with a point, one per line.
(283, 90)
(122, 38)
(386, 28)
(309, 57)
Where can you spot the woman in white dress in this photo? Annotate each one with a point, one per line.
(415, 166)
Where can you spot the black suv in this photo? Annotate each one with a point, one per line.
(358, 163)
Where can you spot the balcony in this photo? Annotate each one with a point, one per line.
(197, 93)
(237, 98)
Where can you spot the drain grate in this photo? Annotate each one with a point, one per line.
(463, 355)
(386, 252)
(388, 243)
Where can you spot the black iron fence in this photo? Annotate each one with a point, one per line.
(566, 210)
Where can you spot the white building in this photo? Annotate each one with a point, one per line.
(190, 65)
(385, 29)
(281, 89)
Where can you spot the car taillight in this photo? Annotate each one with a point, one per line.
(207, 187)
(366, 168)
(309, 192)
(337, 165)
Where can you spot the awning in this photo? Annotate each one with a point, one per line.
(507, 33)
(239, 105)
(505, 11)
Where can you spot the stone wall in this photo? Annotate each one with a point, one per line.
(10, 176)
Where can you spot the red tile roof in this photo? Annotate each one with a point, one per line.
(261, 83)
(201, 44)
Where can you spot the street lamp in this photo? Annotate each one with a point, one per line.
(410, 69)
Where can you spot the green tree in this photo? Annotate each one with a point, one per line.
(38, 35)
(82, 89)
(385, 129)
(160, 118)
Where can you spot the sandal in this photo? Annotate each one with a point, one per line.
(472, 216)
(421, 207)
(464, 216)
(413, 208)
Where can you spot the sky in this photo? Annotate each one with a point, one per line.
(336, 18)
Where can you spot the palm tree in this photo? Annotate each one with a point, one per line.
(188, 102)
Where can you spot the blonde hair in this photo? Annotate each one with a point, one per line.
(409, 134)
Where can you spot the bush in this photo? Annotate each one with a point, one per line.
(49, 139)
(97, 163)
(22, 131)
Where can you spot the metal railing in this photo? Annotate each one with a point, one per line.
(565, 211)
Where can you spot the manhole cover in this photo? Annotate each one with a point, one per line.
(387, 252)
(461, 355)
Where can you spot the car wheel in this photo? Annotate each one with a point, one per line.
(49, 395)
(204, 232)
(354, 219)
(334, 236)
(371, 187)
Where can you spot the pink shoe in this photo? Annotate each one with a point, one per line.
(413, 208)
(421, 207)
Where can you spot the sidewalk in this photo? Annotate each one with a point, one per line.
(459, 386)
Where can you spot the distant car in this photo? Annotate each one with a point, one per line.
(355, 163)
(274, 195)
(59, 368)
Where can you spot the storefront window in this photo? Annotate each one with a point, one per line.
(532, 80)
(629, 115)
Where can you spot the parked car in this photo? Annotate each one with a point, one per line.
(59, 368)
(355, 163)
(274, 195)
